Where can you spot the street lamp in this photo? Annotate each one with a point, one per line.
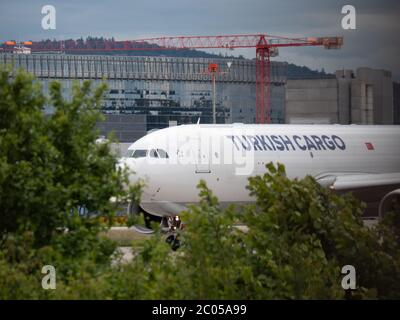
(213, 70)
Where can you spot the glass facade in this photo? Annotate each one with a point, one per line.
(163, 89)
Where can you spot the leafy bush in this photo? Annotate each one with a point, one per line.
(298, 234)
(50, 167)
(299, 237)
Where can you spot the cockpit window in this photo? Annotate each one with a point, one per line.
(162, 153)
(153, 153)
(139, 153)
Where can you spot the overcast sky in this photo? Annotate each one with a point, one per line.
(375, 43)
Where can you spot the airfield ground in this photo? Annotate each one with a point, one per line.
(129, 240)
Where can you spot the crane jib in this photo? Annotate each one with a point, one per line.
(287, 143)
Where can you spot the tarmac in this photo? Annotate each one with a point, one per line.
(129, 234)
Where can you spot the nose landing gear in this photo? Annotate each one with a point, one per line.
(170, 226)
(171, 223)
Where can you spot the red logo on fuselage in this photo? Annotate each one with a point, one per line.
(370, 146)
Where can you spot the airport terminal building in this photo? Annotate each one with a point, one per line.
(146, 93)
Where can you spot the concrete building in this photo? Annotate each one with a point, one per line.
(311, 101)
(382, 85)
(396, 102)
(362, 98)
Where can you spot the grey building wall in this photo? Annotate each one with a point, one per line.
(361, 102)
(362, 98)
(381, 80)
(311, 101)
(396, 102)
(344, 80)
(126, 128)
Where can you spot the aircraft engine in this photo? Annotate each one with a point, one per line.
(390, 202)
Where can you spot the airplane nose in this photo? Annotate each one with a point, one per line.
(122, 163)
(132, 166)
(127, 164)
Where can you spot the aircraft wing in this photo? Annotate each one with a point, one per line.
(343, 182)
(375, 189)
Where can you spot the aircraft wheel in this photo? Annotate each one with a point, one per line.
(173, 241)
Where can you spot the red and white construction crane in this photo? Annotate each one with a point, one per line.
(266, 47)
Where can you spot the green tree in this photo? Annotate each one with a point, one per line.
(297, 235)
(297, 238)
(305, 214)
(50, 165)
(50, 168)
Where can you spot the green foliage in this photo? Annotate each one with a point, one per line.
(51, 165)
(297, 236)
(80, 258)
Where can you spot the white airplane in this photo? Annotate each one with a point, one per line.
(362, 159)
